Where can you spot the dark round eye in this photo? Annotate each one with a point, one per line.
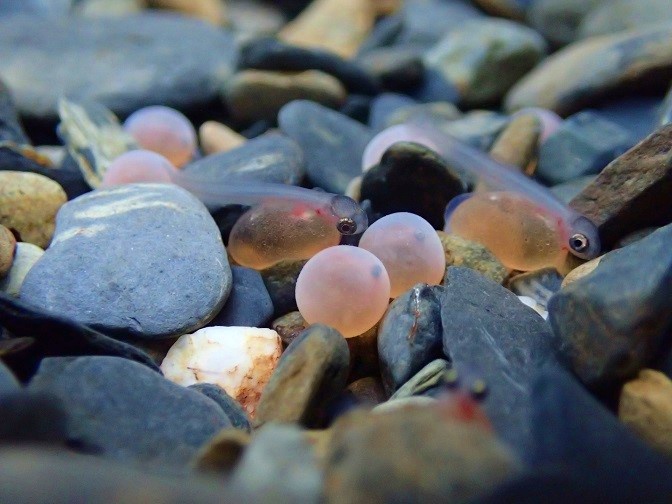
(579, 242)
(346, 226)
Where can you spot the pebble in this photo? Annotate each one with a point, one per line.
(559, 20)
(409, 336)
(249, 304)
(436, 373)
(384, 106)
(645, 406)
(425, 22)
(397, 68)
(241, 92)
(216, 137)
(583, 145)
(280, 280)
(7, 251)
(411, 178)
(189, 61)
(486, 328)
(468, 254)
(333, 144)
(476, 58)
(223, 452)
(517, 143)
(10, 127)
(619, 208)
(415, 452)
(368, 390)
(619, 15)
(234, 411)
(176, 248)
(28, 205)
(25, 257)
(289, 326)
(212, 11)
(240, 360)
(602, 341)
(312, 370)
(581, 271)
(8, 382)
(271, 157)
(338, 26)
(512, 9)
(33, 418)
(441, 111)
(134, 397)
(585, 71)
(538, 285)
(271, 54)
(569, 190)
(253, 18)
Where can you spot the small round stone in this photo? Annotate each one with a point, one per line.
(344, 287)
(550, 121)
(137, 166)
(410, 249)
(163, 130)
(7, 248)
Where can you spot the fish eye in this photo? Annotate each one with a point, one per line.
(346, 226)
(579, 242)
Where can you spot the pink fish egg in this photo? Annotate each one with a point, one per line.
(138, 166)
(163, 130)
(344, 287)
(409, 248)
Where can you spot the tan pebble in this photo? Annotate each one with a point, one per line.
(223, 451)
(25, 257)
(55, 153)
(339, 26)
(581, 271)
(7, 247)
(28, 204)
(212, 11)
(238, 359)
(354, 189)
(646, 407)
(243, 91)
(517, 144)
(461, 252)
(216, 137)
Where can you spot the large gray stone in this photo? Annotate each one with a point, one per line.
(124, 63)
(143, 260)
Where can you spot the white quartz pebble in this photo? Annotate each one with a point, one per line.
(238, 359)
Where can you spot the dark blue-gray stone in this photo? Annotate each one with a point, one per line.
(398, 68)
(143, 260)
(613, 322)
(8, 382)
(425, 22)
(636, 114)
(384, 105)
(409, 336)
(435, 87)
(271, 54)
(271, 157)
(249, 304)
(121, 410)
(487, 329)
(384, 33)
(32, 417)
(233, 410)
(333, 144)
(10, 128)
(572, 431)
(558, 20)
(167, 58)
(583, 145)
(35, 7)
(567, 191)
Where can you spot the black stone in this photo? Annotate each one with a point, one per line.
(397, 68)
(233, 410)
(123, 411)
(271, 54)
(32, 417)
(409, 336)
(411, 178)
(486, 328)
(333, 144)
(249, 304)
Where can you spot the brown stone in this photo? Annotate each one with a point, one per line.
(517, 144)
(252, 95)
(368, 390)
(646, 407)
(28, 205)
(212, 11)
(216, 137)
(339, 26)
(289, 326)
(586, 71)
(502, 8)
(581, 271)
(633, 191)
(222, 453)
(461, 252)
(7, 248)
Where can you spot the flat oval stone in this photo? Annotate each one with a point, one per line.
(168, 59)
(589, 70)
(143, 260)
(333, 143)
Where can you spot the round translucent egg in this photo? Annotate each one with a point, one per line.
(344, 287)
(138, 166)
(163, 130)
(410, 249)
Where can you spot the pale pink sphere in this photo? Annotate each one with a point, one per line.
(388, 137)
(410, 249)
(163, 130)
(344, 287)
(138, 166)
(550, 121)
